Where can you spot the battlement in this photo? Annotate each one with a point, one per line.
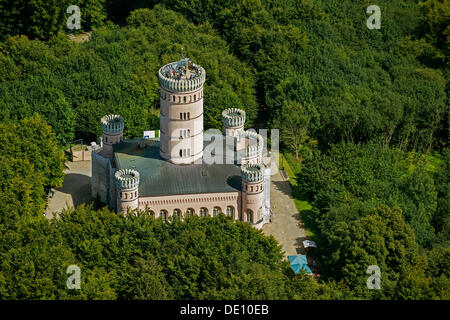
(233, 118)
(182, 76)
(112, 123)
(255, 143)
(252, 172)
(127, 179)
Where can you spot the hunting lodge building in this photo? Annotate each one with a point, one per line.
(173, 174)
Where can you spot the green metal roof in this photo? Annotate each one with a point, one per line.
(159, 177)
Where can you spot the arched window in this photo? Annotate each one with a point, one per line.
(152, 213)
(181, 115)
(177, 213)
(184, 116)
(249, 216)
(230, 211)
(173, 98)
(184, 99)
(190, 212)
(189, 116)
(216, 211)
(106, 139)
(195, 97)
(163, 215)
(181, 153)
(203, 212)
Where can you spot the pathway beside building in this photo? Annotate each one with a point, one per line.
(76, 188)
(286, 225)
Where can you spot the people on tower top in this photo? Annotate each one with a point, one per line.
(184, 69)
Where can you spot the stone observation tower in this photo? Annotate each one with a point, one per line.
(112, 133)
(181, 114)
(127, 185)
(252, 192)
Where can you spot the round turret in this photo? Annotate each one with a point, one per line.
(127, 185)
(233, 118)
(250, 147)
(112, 123)
(112, 132)
(252, 173)
(252, 192)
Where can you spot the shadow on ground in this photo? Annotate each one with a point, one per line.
(283, 186)
(78, 186)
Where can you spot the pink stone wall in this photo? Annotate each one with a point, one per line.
(193, 201)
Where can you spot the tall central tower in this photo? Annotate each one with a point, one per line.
(181, 113)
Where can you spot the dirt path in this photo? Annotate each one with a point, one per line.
(76, 188)
(286, 225)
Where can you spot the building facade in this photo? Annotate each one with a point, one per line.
(172, 175)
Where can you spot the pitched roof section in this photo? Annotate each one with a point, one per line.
(159, 177)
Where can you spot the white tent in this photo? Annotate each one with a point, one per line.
(309, 243)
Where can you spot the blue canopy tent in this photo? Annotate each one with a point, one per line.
(299, 263)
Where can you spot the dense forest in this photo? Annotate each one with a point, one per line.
(364, 119)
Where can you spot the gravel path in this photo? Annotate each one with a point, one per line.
(286, 225)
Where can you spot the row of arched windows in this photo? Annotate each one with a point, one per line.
(183, 98)
(256, 188)
(185, 116)
(203, 212)
(164, 202)
(124, 195)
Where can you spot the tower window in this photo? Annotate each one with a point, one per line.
(189, 115)
(249, 215)
(181, 116)
(195, 97)
(181, 153)
(184, 99)
(173, 98)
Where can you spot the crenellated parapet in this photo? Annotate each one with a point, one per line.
(127, 179)
(112, 124)
(233, 118)
(252, 173)
(190, 79)
(255, 144)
